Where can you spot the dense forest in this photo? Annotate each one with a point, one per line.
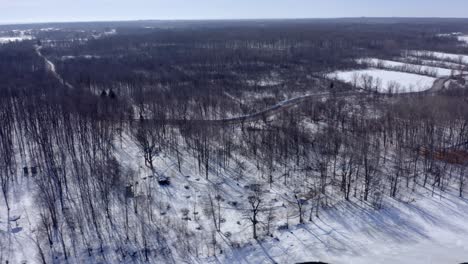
(241, 107)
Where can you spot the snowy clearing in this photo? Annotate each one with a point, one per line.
(70, 57)
(395, 65)
(459, 58)
(452, 34)
(445, 64)
(385, 81)
(263, 83)
(460, 36)
(463, 38)
(14, 39)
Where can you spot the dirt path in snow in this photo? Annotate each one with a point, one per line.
(439, 84)
(50, 66)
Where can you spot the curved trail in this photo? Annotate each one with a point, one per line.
(268, 112)
(439, 84)
(50, 66)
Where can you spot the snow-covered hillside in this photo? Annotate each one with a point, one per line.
(419, 229)
(425, 226)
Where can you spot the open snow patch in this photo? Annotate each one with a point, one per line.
(458, 58)
(463, 38)
(4, 40)
(70, 57)
(424, 229)
(452, 34)
(406, 67)
(385, 81)
(435, 63)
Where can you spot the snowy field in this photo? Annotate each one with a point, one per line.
(459, 58)
(463, 38)
(14, 39)
(384, 80)
(452, 34)
(388, 64)
(445, 64)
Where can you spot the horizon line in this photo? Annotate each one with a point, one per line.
(13, 23)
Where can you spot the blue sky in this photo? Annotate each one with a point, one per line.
(86, 10)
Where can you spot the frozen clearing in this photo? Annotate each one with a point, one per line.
(445, 64)
(385, 81)
(373, 62)
(63, 58)
(423, 230)
(459, 58)
(463, 38)
(14, 39)
(18, 243)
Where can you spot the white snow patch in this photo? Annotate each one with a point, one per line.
(460, 58)
(463, 38)
(452, 34)
(70, 57)
(384, 80)
(110, 32)
(263, 83)
(14, 39)
(445, 64)
(437, 71)
(424, 230)
(49, 29)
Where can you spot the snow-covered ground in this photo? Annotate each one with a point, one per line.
(106, 33)
(19, 35)
(452, 34)
(459, 58)
(271, 80)
(418, 228)
(422, 229)
(18, 244)
(437, 71)
(385, 80)
(49, 29)
(263, 83)
(463, 38)
(14, 39)
(459, 35)
(445, 64)
(111, 32)
(70, 57)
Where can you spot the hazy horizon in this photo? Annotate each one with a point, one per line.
(46, 11)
